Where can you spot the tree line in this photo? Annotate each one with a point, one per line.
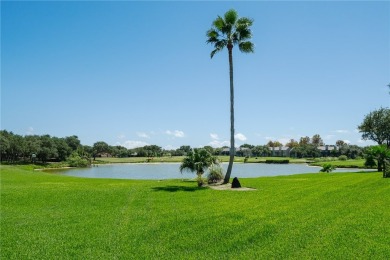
(46, 148)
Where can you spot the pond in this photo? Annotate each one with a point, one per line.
(159, 171)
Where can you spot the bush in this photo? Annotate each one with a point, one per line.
(327, 168)
(75, 160)
(215, 175)
(277, 161)
(370, 162)
(343, 158)
(386, 170)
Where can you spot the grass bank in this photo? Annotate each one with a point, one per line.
(351, 163)
(317, 216)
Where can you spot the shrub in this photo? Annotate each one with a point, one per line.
(215, 174)
(370, 162)
(75, 160)
(327, 168)
(343, 158)
(277, 161)
(386, 169)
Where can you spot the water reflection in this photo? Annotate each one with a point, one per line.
(156, 171)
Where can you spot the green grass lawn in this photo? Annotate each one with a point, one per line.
(308, 216)
(356, 163)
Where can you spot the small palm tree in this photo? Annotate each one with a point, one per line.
(229, 31)
(198, 160)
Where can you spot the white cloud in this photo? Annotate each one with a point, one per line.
(284, 140)
(240, 137)
(214, 136)
(327, 137)
(170, 147)
(176, 133)
(121, 136)
(143, 135)
(217, 144)
(129, 144)
(347, 141)
(30, 131)
(341, 131)
(269, 138)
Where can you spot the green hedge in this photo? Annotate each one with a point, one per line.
(278, 161)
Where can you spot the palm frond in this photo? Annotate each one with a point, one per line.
(246, 47)
(244, 33)
(213, 36)
(231, 17)
(219, 23)
(218, 47)
(244, 21)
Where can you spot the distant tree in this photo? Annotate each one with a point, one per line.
(119, 151)
(73, 142)
(4, 144)
(351, 151)
(261, 150)
(246, 150)
(292, 143)
(307, 151)
(340, 143)
(274, 144)
(317, 140)
(33, 146)
(376, 126)
(227, 32)
(247, 146)
(209, 149)
(198, 160)
(304, 140)
(100, 148)
(63, 149)
(270, 143)
(18, 147)
(185, 148)
(86, 150)
(48, 149)
(153, 150)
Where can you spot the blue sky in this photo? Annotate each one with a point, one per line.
(137, 73)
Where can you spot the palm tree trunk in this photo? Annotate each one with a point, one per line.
(232, 149)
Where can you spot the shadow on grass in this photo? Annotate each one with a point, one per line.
(175, 188)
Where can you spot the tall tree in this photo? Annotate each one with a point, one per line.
(229, 31)
(340, 143)
(292, 143)
(317, 140)
(376, 126)
(99, 148)
(304, 140)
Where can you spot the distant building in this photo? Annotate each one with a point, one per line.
(238, 151)
(282, 151)
(326, 150)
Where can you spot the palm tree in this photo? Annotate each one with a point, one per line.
(229, 31)
(198, 160)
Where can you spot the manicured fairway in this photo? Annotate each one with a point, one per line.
(357, 163)
(310, 216)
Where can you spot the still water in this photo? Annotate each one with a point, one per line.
(156, 171)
